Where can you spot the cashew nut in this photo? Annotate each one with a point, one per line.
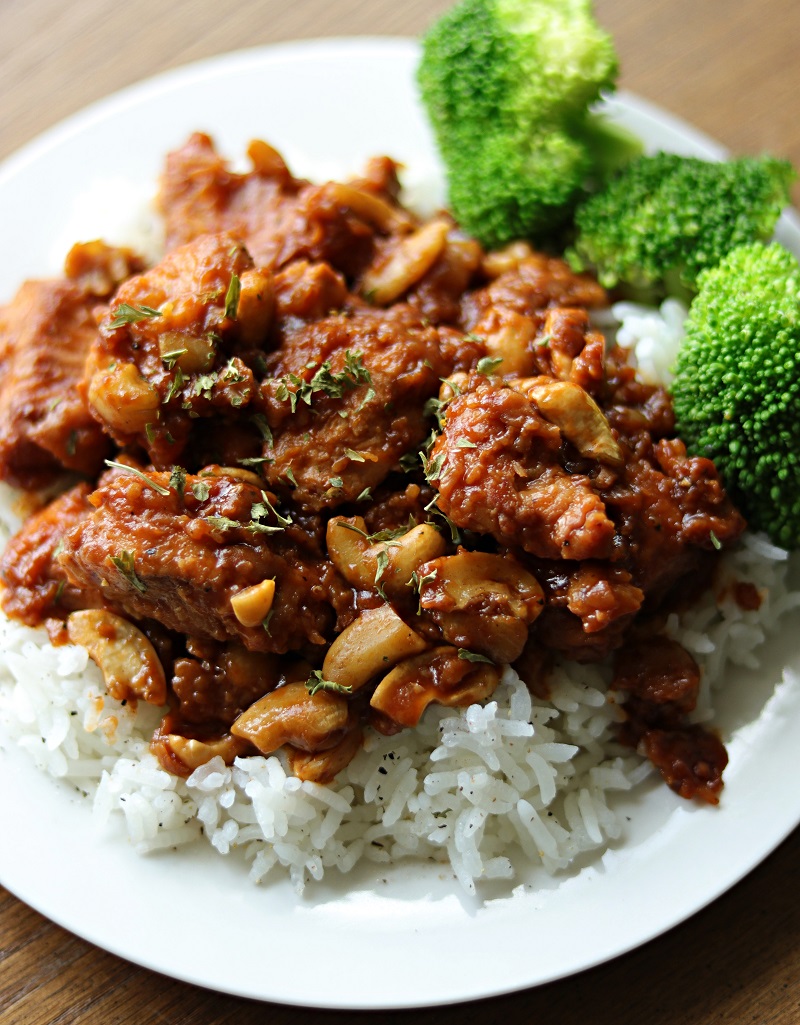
(123, 399)
(502, 260)
(412, 258)
(387, 565)
(193, 354)
(324, 766)
(577, 416)
(371, 208)
(256, 306)
(251, 605)
(182, 755)
(438, 675)
(375, 641)
(128, 661)
(509, 336)
(292, 715)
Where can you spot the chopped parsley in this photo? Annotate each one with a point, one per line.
(488, 365)
(317, 682)
(126, 313)
(254, 461)
(433, 467)
(232, 297)
(124, 563)
(293, 388)
(260, 422)
(138, 473)
(175, 385)
(265, 507)
(473, 656)
(177, 480)
(171, 358)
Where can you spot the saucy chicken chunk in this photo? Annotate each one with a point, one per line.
(182, 554)
(46, 334)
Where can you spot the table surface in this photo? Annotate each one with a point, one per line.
(730, 67)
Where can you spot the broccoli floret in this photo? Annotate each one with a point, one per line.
(507, 85)
(737, 383)
(664, 218)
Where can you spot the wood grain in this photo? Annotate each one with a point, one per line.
(730, 67)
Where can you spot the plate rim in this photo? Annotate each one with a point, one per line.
(182, 77)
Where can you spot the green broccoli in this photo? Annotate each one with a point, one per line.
(664, 218)
(737, 383)
(507, 85)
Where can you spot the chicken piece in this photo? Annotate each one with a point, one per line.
(661, 680)
(170, 347)
(279, 218)
(36, 587)
(45, 425)
(345, 400)
(219, 687)
(672, 516)
(496, 467)
(46, 334)
(178, 552)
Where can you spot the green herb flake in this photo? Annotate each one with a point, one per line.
(465, 443)
(354, 456)
(201, 491)
(124, 563)
(204, 384)
(265, 508)
(260, 422)
(365, 495)
(232, 297)
(488, 365)
(223, 523)
(255, 461)
(435, 407)
(175, 385)
(715, 541)
(171, 358)
(382, 563)
(126, 313)
(177, 480)
(317, 682)
(473, 656)
(138, 473)
(433, 467)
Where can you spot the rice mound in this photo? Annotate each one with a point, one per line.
(478, 789)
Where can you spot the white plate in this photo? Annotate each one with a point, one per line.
(403, 938)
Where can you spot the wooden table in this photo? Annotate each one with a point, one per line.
(729, 66)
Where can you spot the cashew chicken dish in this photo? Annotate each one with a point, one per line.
(328, 463)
